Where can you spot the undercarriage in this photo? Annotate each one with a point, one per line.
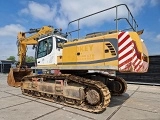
(86, 91)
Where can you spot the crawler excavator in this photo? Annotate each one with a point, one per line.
(78, 80)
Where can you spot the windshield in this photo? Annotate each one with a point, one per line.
(44, 47)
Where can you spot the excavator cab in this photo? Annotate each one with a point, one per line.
(48, 49)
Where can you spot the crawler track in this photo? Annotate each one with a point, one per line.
(82, 105)
(116, 85)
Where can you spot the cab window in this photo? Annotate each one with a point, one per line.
(44, 47)
(60, 42)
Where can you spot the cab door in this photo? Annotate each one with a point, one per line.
(46, 51)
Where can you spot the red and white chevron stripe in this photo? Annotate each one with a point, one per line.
(129, 57)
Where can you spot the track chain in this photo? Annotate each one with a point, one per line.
(104, 92)
(118, 79)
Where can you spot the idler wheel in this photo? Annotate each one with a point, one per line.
(92, 97)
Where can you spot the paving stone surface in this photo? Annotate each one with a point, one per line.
(140, 102)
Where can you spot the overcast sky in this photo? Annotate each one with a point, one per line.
(21, 15)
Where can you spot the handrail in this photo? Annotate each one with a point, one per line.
(133, 25)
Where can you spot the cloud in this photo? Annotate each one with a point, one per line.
(24, 11)
(158, 37)
(39, 11)
(154, 2)
(74, 9)
(8, 47)
(151, 39)
(64, 11)
(151, 36)
(8, 37)
(61, 22)
(11, 30)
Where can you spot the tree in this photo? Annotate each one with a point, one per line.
(30, 59)
(12, 58)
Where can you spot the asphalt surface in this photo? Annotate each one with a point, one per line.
(140, 102)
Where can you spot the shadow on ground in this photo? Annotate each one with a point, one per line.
(118, 100)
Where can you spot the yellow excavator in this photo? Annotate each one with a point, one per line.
(82, 67)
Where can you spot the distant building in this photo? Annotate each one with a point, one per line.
(5, 66)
